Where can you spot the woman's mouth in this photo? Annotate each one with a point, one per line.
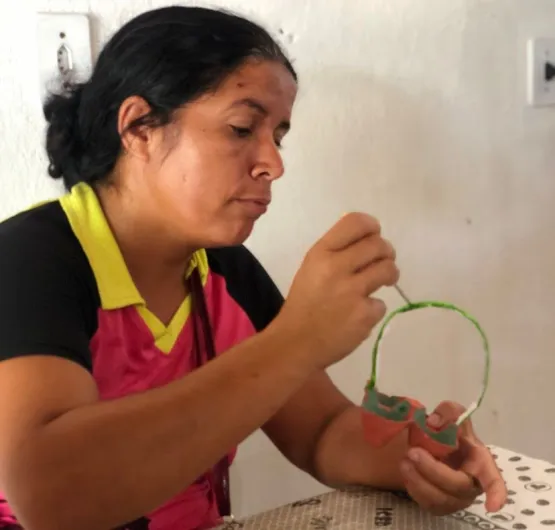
(254, 207)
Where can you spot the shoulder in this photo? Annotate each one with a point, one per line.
(40, 241)
(38, 232)
(236, 259)
(239, 266)
(248, 282)
(49, 296)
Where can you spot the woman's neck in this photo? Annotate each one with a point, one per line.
(156, 261)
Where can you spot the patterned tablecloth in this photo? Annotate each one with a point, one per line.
(531, 506)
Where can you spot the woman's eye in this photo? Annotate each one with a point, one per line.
(241, 132)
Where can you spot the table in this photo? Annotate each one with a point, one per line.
(531, 506)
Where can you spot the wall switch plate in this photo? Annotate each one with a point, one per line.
(64, 51)
(541, 72)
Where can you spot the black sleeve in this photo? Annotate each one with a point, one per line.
(248, 283)
(46, 302)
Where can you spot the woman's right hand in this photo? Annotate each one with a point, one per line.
(330, 307)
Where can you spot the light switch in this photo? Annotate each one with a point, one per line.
(64, 50)
(541, 72)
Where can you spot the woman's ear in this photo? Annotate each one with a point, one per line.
(136, 140)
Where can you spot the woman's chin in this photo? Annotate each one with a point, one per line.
(233, 234)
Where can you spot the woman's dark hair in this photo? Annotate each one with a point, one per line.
(169, 57)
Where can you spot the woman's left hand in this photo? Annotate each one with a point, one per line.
(445, 487)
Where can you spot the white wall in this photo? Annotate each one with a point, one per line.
(413, 111)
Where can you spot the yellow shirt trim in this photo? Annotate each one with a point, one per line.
(115, 285)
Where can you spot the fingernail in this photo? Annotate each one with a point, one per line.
(406, 467)
(434, 420)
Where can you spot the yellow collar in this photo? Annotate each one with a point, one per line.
(89, 224)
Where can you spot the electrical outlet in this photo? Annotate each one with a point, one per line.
(64, 51)
(541, 72)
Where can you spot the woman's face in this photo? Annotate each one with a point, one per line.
(211, 177)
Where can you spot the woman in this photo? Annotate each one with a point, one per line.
(116, 298)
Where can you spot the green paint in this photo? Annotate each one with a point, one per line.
(440, 305)
(447, 435)
(389, 407)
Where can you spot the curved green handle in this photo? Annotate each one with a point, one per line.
(440, 305)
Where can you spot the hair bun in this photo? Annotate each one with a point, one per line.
(64, 146)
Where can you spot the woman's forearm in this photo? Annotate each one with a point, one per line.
(105, 464)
